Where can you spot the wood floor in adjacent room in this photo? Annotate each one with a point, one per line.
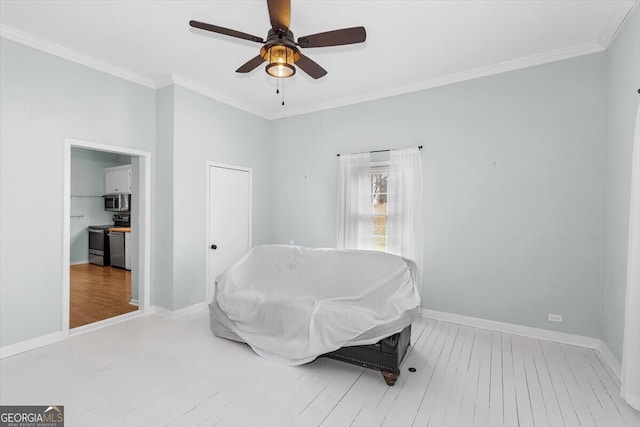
(151, 371)
(98, 293)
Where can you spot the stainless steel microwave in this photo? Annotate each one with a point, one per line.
(118, 202)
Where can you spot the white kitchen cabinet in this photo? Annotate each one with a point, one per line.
(117, 179)
(127, 251)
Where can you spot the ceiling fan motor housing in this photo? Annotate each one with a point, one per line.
(280, 38)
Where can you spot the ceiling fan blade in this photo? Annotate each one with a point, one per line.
(251, 64)
(225, 31)
(279, 13)
(334, 38)
(310, 67)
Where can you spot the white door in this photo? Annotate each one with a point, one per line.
(229, 213)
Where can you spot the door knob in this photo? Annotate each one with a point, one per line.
(214, 247)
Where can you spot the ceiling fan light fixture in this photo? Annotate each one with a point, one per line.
(281, 70)
(280, 60)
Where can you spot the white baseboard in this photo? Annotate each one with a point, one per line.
(510, 328)
(633, 401)
(161, 311)
(79, 262)
(611, 360)
(527, 331)
(31, 344)
(195, 308)
(134, 302)
(104, 323)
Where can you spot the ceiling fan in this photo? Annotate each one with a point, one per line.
(280, 50)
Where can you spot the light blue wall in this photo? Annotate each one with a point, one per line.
(207, 130)
(193, 129)
(623, 68)
(87, 188)
(514, 182)
(162, 260)
(44, 99)
(513, 188)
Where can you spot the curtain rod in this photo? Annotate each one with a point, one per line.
(382, 151)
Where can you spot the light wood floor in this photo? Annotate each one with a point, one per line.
(151, 371)
(98, 293)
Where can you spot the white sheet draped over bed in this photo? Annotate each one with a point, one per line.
(292, 304)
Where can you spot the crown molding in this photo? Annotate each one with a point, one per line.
(74, 56)
(615, 23)
(476, 73)
(18, 36)
(164, 81)
(175, 79)
(529, 61)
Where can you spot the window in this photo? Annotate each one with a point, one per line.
(379, 205)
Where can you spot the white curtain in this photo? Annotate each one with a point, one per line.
(630, 388)
(404, 221)
(354, 202)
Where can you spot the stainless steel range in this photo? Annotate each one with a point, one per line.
(99, 248)
(99, 253)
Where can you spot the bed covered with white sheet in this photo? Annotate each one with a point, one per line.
(292, 304)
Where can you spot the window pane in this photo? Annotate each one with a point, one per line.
(379, 192)
(380, 208)
(379, 182)
(379, 225)
(380, 243)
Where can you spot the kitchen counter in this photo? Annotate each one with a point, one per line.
(121, 229)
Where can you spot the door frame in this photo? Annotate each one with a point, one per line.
(144, 233)
(208, 289)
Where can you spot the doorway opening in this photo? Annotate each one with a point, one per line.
(106, 252)
(97, 293)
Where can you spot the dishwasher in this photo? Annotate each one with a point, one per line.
(116, 245)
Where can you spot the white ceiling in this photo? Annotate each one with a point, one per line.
(411, 45)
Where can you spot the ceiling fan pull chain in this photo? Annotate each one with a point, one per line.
(286, 51)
